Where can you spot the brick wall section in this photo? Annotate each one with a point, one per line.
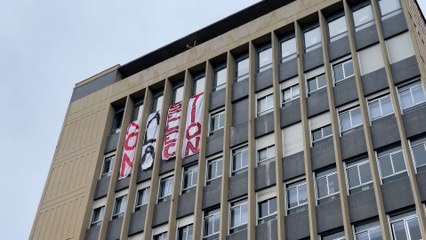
(419, 27)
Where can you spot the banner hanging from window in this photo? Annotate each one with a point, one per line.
(150, 140)
(192, 134)
(172, 131)
(129, 149)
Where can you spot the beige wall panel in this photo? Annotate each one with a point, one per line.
(370, 59)
(292, 139)
(399, 47)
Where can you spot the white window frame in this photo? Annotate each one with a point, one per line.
(293, 96)
(217, 87)
(116, 213)
(315, 79)
(291, 55)
(414, 144)
(178, 91)
(316, 45)
(322, 133)
(147, 191)
(342, 63)
(356, 164)
(217, 115)
(239, 77)
(268, 108)
(269, 149)
(379, 100)
(300, 205)
(409, 86)
(341, 34)
(239, 204)
(211, 214)
(101, 216)
(160, 236)
(270, 214)
(331, 171)
(235, 151)
(390, 152)
(191, 170)
(186, 229)
(111, 156)
(366, 24)
(196, 88)
(404, 217)
(389, 14)
(350, 110)
(267, 66)
(215, 162)
(366, 228)
(115, 122)
(170, 180)
(157, 103)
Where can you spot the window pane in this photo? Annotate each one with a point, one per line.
(413, 227)
(326, 130)
(244, 213)
(337, 27)
(295, 91)
(418, 94)
(272, 205)
(316, 135)
(353, 179)
(220, 78)
(219, 168)
(321, 81)
(303, 197)
(399, 230)
(235, 217)
(338, 73)
(345, 122)
(356, 117)
(349, 69)
(389, 6)
(363, 16)
(406, 100)
(365, 173)
(374, 108)
(199, 85)
(292, 197)
(312, 38)
(385, 166)
(312, 85)
(333, 185)
(386, 105)
(265, 58)
(398, 162)
(263, 209)
(242, 68)
(216, 222)
(178, 94)
(322, 187)
(419, 153)
(288, 48)
(376, 234)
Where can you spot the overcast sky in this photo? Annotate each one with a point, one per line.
(48, 46)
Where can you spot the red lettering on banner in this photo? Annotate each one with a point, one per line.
(126, 161)
(131, 136)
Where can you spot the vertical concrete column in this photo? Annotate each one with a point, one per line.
(109, 206)
(384, 223)
(147, 103)
(276, 60)
(147, 234)
(187, 92)
(251, 201)
(310, 186)
(226, 148)
(409, 163)
(198, 213)
(335, 129)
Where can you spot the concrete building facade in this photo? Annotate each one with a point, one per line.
(313, 127)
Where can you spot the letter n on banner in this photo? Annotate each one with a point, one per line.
(172, 131)
(129, 149)
(191, 140)
(150, 139)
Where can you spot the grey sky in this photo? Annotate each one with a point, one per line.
(48, 46)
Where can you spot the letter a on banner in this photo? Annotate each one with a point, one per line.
(191, 140)
(172, 131)
(150, 139)
(129, 149)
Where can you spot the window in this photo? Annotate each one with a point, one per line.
(312, 39)
(334, 236)
(358, 175)
(217, 121)
(190, 176)
(97, 216)
(291, 93)
(327, 185)
(419, 152)
(337, 28)
(185, 233)
(297, 198)
(389, 8)
(411, 94)
(321, 133)
(220, 78)
(405, 226)
(242, 69)
(239, 159)
(239, 214)
(211, 223)
(142, 198)
(350, 119)
(178, 94)
(199, 83)
(161, 236)
(391, 163)
(166, 186)
(214, 169)
(137, 110)
(119, 206)
(267, 210)
(380, 107)
(316, 83)
(288, 49)
(157, 103)
(265, 59)
(109, 161)
(343, 70)
(265, 104)
(265, 154)
(116, 123)
(369, 231)
(363, 18)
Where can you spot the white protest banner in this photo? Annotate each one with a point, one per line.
(129, 149)
(191, 140)
(172, 131)
(150, 139)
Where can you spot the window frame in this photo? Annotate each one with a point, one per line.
(409, 86)
(292, 55)
(238, 204)
(315, 79)
(301, 206)
(117, 121)
(157, 103)
(160, 236)
(217, 87)
(313, 141)
(216, 115)
(357, 163)
(414, 144)
(349, 110)
(186, 230)
(239, 78)
(214, 161)
(390, 152)
(211, 214)
(366, 24)
(404, 218)
(176, 90)
(293, 97)
(270, 215)
(121, 201)
(101, 216)
(112, 156)
(197, 79)
(170, 182)
(379, 100)
(341, 34)
(367, 228)
(342, 63)
(317, 45)
(327, 174)
(264, 49)
(146, 192)
(193, 171)
(391, 13)
(235, 151)
(268, 109)
(270, 148)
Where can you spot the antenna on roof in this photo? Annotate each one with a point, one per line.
(189, 46)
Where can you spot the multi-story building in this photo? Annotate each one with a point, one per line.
(287, 120)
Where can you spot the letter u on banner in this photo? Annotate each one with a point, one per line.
(191, 140)
(129, 149)
(172, 131)
(150, 139)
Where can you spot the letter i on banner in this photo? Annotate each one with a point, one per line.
(191, 140)
(150, 139)
(129, 149)
(172, 131)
